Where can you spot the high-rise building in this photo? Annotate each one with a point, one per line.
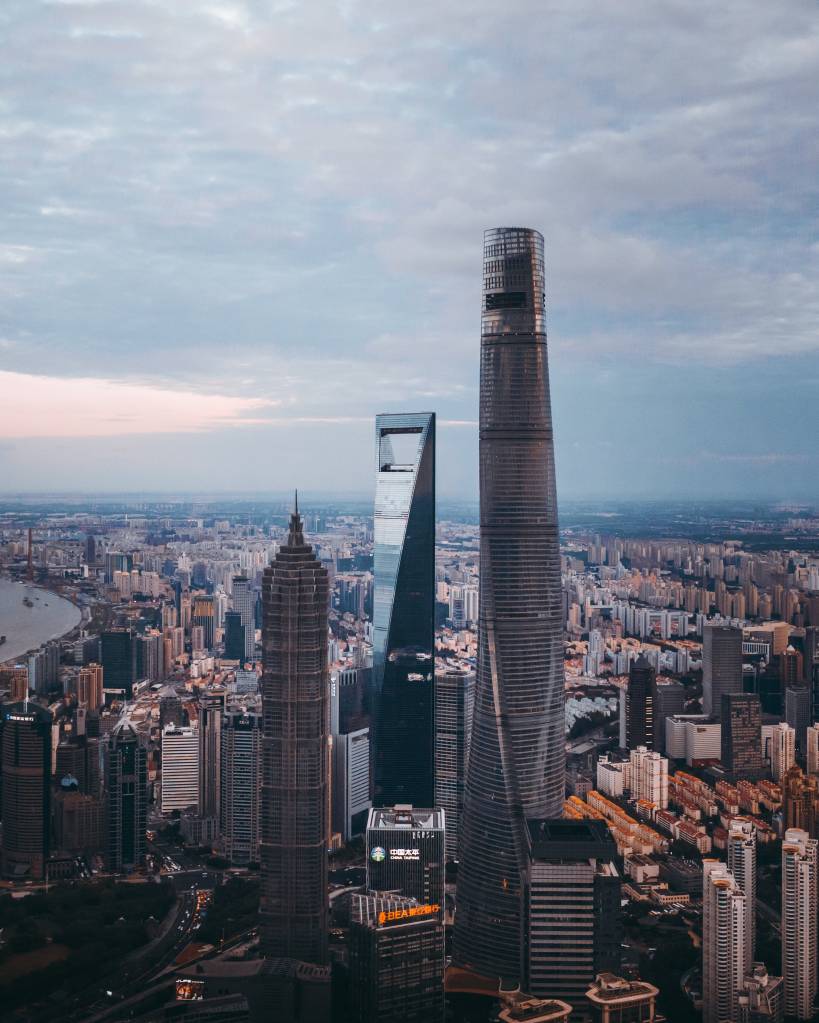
(724, 958)
(396, 960)
(649, 776)
(203, 614)
(798, 714)
(742, 865)
(454, 703)
(762, 998)
(614, 999)
(812, 751)
(126, 798)
(783, 750)
(15, 679)
(170, 707)
(351, 782)
(118, 656)
(799, 867)
(244, 601)
(516, 767)
(240, 766)
(25, 770)
(293, 907)
(741, 735)
(721, 665)
(89, 686)
(800, 799)
(211, 712)
(405, 852)
(180, 768)
(669, 699)
(640, 704)
(234, 637)
(404, 610)
(572, 920)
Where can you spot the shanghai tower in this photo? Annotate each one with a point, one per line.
(295, 704)
(517, 760)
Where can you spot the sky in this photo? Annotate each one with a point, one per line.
(232, 232)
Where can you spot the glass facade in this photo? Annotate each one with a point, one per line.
(516, 766)
(402, 686)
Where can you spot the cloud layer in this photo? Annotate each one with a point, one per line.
(231, 203)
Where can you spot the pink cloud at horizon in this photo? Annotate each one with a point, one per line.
(47, 406)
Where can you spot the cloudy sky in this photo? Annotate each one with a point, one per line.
(231, 232)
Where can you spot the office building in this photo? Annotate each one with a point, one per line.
(78, 820)
(725, 960)
(241, 785)
(79, 757)
(640, 704)
(118, 656)
(762, 998)
(649, 776)
(742, 865)
(405, 852)
(721, 665)
(293, 906)
(741, 735)
(351, 782)
(150, 656)
(396, 960)
(211, 713)
(90, 686)
(170, 707)
(669, 699)
(126, 798)
(614, 999)
(573, 915)
(799, 866)
(798, 714)
(783, 750)
(25, 770)
(203, 615)
(180, 768)
(234, 637)
(244, 601)
(516, 767)
(404, 610)
(454, 703)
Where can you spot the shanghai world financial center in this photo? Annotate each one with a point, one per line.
(404, 609)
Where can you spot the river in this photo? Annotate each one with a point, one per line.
(27, 628)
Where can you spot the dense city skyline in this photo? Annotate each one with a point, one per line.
(204, 254)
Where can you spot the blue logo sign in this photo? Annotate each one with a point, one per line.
(378, 855)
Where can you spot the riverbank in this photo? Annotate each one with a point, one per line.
(30, 616)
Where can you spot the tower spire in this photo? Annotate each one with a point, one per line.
(295, 536)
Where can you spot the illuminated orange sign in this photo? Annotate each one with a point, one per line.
(408, 913)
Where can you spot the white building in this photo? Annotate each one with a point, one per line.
(783, 749)
(799, 867)
(692, 737)
(724, 908)
(351, 782)
(613, 776)
(649, 776)
(180, 768)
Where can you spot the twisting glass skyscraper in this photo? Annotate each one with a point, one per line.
(295, 705)
(404, 609)
(517, 761)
